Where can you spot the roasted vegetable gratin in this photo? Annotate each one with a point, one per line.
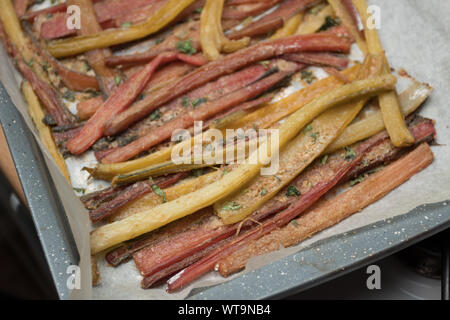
(131, 81)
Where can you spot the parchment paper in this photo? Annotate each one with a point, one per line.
(415, 34)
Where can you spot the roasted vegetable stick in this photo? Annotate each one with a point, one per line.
(117, 102)
(96, 58)
(47, 95)
(16, 40)
(131, 193)
(245, 10)
(12, 28)
(107, 38)
(347, 20)
(87, 108)
(139, 15)
(31, 15)
(152, 200)
(313, 21)
(389, 105)
(28, 64)
(330, 212)
(212, 39)
(410, 100)
(266, 116)
(108, 171)
(321, 59)
(149, 220)
(206, 160)
(289, 28)
(21, 6)
(273, 20)
(110, 14)
(73, 80)
(37, 114)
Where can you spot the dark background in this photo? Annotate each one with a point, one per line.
(24, 272)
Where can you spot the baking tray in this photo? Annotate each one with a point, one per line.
(314, 265)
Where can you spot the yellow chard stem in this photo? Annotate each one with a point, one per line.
(107, 38)
(389, 105)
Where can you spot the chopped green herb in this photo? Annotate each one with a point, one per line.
(159, 40)
(315, 136)
(308, 128)
(30, 63)
(357, 180)
(80, 190)
(199, 10)
(141, 97)
(225, 171)
(48, 120)
(186, 47)
(324, 159)
(155, 115)
(316, 10)
(50, 15)
(157, 190)
(185, 101)
(295, 223)
(45, 66)
(329, 23)
(308, 76)
(87, 66)
(118, 79)
(197, 172)
(264, 63)
(231, 206)
(198, 101)
(263, 192)
(278, 178)
(68, 95)
(126, 25)
(94, 94)
(292, 191)
(350, 154)
(123, 141)
(374, 170)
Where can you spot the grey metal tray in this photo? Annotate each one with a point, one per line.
(309, 267)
